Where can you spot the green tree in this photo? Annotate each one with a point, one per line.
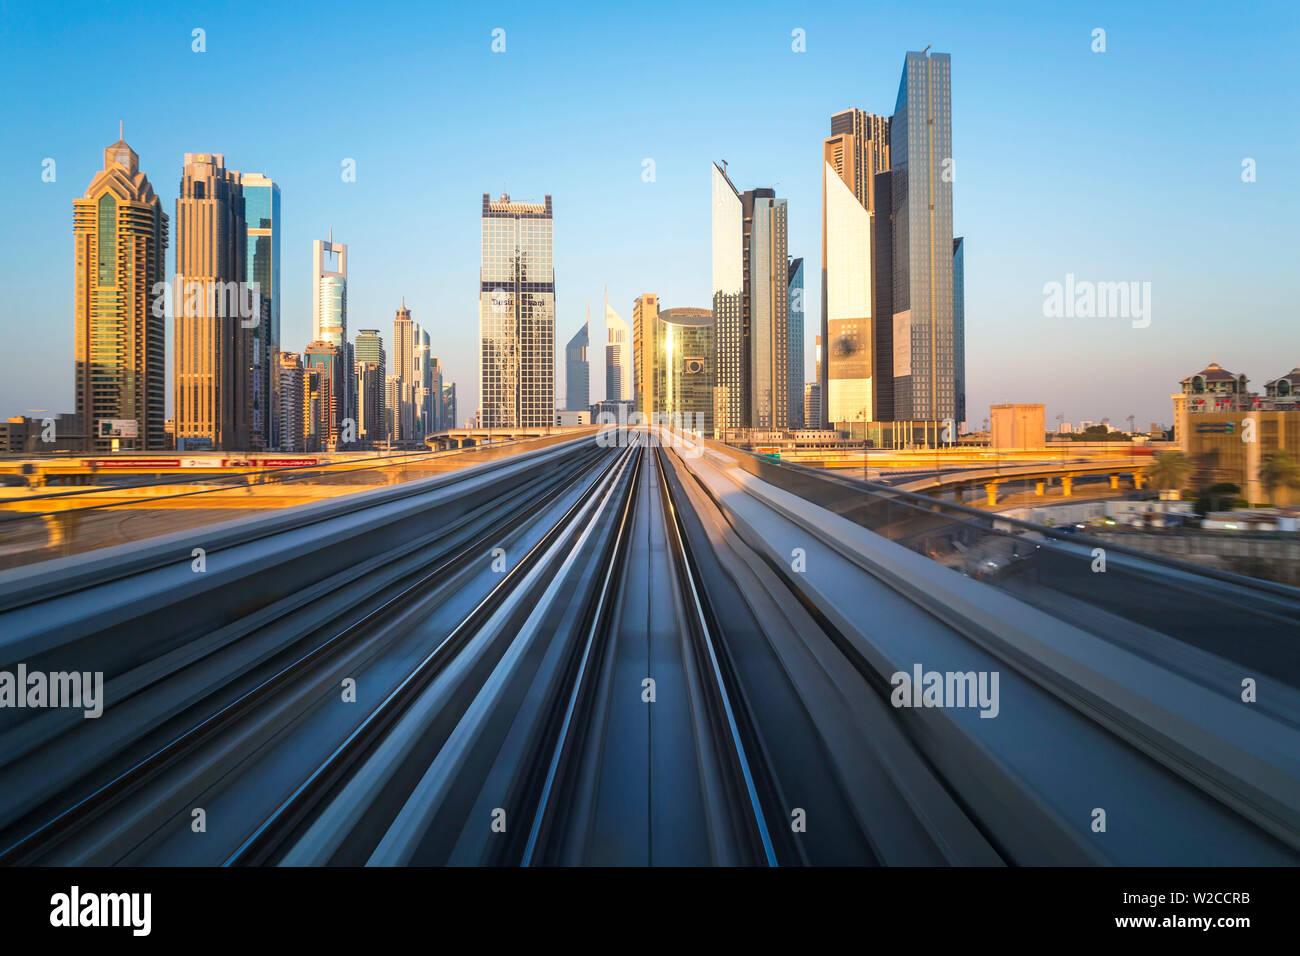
(1279, 470)
(1169, 470)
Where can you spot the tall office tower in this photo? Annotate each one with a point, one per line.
(731, 378)
(403, 344)
(290, 391)
(330, 311)
(313, 408)
(421, 383)
(435, 399)
(262, 215)
(794, 365)
(645, 320)
(925, 348)
(751, 301)
(369, 347)
(516, 314)
(330, 361)
(818, 378)
(681, 373)
(121, 239)
(370, 402)
(214, 345)
(404, 330)
(812, 404)
(959, 324)
(427, 403)
(856, 323)
(577, 371)
(618, 356)
(449, 405)
(392, 406)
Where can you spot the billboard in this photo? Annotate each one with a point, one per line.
(118, 428)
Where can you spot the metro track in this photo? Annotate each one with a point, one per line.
(607, 659)
(234, 696)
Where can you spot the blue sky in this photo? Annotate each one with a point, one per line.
(1115, 166)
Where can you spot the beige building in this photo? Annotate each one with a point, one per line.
(1229, 432)
(645, 317)
(1017, 426)
(213, 344)
(291, 396)
(120, 233)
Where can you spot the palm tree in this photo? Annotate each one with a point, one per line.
(1169, 470)
(1279, 470)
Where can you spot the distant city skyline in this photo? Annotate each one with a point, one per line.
(1045, 189)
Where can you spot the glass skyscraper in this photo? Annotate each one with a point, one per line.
(262, 215)
(681, 343)
(330, 317)
(618, 357)
(795, 363)
(926, 351)
(516, 314)
(750, 307)
(577, 371)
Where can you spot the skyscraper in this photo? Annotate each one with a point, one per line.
(369, 348)
(449, 405)
(618, 356)
(404, 339)
(577, 371)
(403, 344)
(925, 349)
(516, 314)
(959, 324)
(370, 402)
(819, 376)
(856, 322)
(731, 374)
(812, 405)
(422, 383)
(214, 350)
(290, 391)
(794, 365)
(262, 215)
(329, 362)
(435, 396)
(645, 318)
(680, 372)
(330, 313)
(751, 307)
(121, 240)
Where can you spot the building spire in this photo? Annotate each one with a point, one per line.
(403, 303)
(120, 127)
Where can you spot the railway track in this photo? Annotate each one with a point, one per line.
(605, 656)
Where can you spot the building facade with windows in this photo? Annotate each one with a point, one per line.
(516, 314)
(120, 234)
(213, 343)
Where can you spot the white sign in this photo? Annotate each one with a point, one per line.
(118, 428)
